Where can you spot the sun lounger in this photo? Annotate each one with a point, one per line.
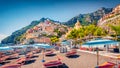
(49, 53)
(90, 49)
(12, 66)
(29, 55)
(14, 56)
(53, 63)
(107, 65)
(36, 51)
(2, 59)
(71, 53)
(119, 66)
(83, 48)
(1, 54)
(23, 60)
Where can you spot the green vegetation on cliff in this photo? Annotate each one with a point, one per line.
(15, 35)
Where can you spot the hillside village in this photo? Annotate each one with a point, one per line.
(112, 18)
(44, 31)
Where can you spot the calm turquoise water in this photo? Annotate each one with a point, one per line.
(9, 47)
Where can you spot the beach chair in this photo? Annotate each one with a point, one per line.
(36, 51)
(23, 60)
(20, 60)
(49, 53)
(83, 48)
(107, 65)
(11, 66)
(14, 56)
(90, 49)
(29, 55)
(2, 59)
(119, 66)
(52, 63)
(71, 53)
(1, 54)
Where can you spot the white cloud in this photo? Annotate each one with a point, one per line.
(2, 36)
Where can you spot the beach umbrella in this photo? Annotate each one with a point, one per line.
(6, 49)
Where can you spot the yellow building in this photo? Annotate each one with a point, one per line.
(77, 25)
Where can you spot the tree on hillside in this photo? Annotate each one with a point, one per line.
(31, 41)
(19, 39)
(116, 29)
(54, 39)
(58, 32)
(99, 32)
(93, 30)
(89, 31)
(73, 35)
(80, 35)
(77, 35)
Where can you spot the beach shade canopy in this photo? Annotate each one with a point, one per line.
(6, 49)
(45, 46)
(100, 42)
(65, 42)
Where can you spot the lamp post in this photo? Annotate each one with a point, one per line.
(43, 60)
(97, 56)
(71, 45)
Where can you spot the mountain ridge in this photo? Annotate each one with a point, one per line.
(112, 18)
(89, 18)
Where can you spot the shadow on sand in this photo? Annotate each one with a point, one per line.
(51, 55)
(29, 62)
(73, 56)
(5, 62)
(35, 56)
(12, 58)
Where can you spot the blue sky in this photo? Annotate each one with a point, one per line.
(15, 14)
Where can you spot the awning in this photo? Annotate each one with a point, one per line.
(100, 42)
